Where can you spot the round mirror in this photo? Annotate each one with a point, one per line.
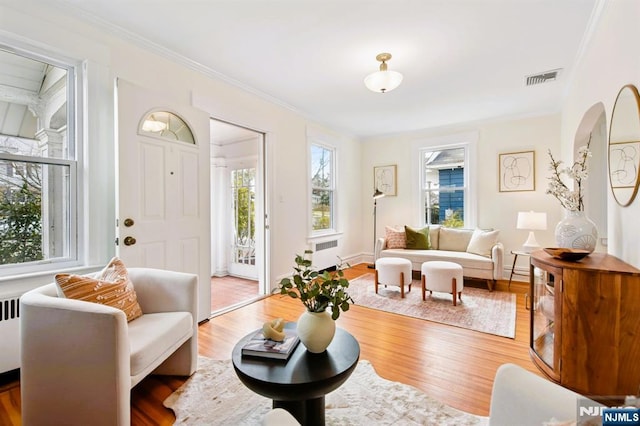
(624, 145)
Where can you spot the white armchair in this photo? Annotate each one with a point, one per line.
(523, 398)
(79, 360)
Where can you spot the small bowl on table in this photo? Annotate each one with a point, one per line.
(565, 253)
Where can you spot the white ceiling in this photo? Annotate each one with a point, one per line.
(462, 60)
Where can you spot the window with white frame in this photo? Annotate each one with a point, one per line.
(37, 162)
(443, 186)
(322, 188)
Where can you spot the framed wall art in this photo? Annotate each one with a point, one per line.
(384, 179)
(517, 171)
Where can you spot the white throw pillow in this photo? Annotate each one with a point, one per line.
(482, 242)
(454, 239)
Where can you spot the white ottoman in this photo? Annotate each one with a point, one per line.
(393, 271)
(443, 277)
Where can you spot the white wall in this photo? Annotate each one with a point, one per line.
(610, 61)
(495, 209)
(110, 57)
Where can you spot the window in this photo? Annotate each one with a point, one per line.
(37, 162)
(443, 186)
(243, 189)
(168, 126)
(322, 188)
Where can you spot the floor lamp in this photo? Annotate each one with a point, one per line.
(377, 194)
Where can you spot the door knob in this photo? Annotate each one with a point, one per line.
(128, 222)
(129, 241)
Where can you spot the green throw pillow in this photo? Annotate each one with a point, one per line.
(417, 239)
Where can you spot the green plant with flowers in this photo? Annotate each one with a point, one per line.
(570, 198)
(317, 291)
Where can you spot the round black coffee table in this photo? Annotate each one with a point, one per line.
(299, 384)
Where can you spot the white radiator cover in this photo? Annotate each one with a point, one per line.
(9, 333)
(325, 254)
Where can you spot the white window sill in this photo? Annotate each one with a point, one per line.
(325, 236)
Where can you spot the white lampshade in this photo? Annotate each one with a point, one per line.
(383, 81)
(531, 221)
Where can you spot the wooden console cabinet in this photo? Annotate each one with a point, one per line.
(585, 323)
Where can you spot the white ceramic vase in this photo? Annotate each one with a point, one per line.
(576, 231)
(316, 330)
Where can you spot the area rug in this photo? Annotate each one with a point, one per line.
(215, 396)
(481, 310)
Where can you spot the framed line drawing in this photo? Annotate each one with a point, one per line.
(384, 179)
(517, 171)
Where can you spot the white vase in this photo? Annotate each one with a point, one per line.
(576, 231)
(316, 330)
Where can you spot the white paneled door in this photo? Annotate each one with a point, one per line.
(163, 186)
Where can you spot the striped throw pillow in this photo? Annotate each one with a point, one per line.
(111, 287)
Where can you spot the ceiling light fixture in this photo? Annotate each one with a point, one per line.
(384, 80)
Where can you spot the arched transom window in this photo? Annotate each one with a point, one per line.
(166, 125)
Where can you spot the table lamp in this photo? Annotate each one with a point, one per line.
(531, 221)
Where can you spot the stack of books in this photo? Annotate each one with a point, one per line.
(259, 346)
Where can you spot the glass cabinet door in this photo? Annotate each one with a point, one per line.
(545, 307)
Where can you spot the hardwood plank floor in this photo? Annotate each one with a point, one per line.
(227, 291)
(453, 365)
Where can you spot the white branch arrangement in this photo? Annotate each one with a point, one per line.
(571, 200)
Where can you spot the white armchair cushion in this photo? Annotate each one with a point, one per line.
(148, 336)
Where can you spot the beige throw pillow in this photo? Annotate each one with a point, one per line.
(395, 239)
(434, 234)
(453, 239)
(482, 242)
(111, 287)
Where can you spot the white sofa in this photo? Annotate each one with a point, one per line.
(81, 359)
(451, 245)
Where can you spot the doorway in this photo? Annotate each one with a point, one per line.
(237, 216)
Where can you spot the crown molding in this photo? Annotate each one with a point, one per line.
(148, 45)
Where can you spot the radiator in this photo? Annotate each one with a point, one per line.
(9, 334)
(325, 254)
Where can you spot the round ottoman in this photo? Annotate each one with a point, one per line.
(393, 271)
(443, 277)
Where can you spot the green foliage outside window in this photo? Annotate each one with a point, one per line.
(322, 187)
(454, 220)
(244, 181)
(20, 225)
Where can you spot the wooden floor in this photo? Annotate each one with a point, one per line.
(453, 365)
(228, 291)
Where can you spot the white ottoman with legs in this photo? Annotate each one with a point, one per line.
(443, 277)
(393, 271)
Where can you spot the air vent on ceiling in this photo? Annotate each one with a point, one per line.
(543, 77)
